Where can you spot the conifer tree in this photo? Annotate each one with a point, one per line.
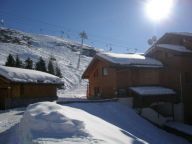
(10, 61)
(40, 65)
(50, 67)
(18, 62)
(58, 71)
(28, 63)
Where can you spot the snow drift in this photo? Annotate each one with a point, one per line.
(48, 121)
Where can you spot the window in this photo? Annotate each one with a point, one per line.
(104, 71)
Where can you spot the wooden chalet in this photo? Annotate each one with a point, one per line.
(165, 66)
(174, 50)
(111, 74)
(20, 87)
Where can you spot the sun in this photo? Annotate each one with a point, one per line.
(158, 10)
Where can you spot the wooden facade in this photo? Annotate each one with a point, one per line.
(175, 74)
(15, 94)
(117, 78)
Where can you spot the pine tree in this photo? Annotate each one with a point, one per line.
(50, 67)
(40, 65)
(28, 63)
(18, 62)
(10, 61)
(58, 72)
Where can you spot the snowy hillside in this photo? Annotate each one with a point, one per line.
(30, 45)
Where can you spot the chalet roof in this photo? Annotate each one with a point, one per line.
(152, 90)
(28, 76)
(123, 60)
(136, 60)
(178, 48)
(181, 33)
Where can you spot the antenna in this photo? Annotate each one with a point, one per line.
(152, 40)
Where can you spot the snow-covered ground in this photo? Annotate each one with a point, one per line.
(108, 123)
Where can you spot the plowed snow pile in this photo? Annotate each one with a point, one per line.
(48, 122)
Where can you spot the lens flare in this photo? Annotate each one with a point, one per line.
(158, 10)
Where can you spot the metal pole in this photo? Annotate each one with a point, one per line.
(78, 64)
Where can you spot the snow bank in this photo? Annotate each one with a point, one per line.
(130, 59)
(28, 76)
(48, 122)
(47, 119)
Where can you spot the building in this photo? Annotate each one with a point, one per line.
(174, 50)
(162, 74)
(20, 87)
(111, 74)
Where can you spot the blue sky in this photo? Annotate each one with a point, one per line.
(120, 24)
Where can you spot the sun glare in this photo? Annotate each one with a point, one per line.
(158, 10)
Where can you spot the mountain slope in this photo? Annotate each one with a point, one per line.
(66, 52)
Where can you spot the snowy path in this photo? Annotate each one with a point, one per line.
(131, 123)
(8, 119)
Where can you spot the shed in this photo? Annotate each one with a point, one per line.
(20, 87)
(144, 96)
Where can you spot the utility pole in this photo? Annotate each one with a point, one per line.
(83, 36)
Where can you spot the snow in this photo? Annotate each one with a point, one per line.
(28, 76)
(154, 117)
(8, 120)
(82, 123)
(182, 33)
(178, 48)
(78, 92)
(152, 90)
(45, 46)
(130, 59)
(180, 127)
(47, 119)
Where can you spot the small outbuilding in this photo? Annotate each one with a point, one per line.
(20, 87)
(144, 96)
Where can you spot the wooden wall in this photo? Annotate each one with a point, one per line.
(106, 84)
(119, 79)
(16, 94)
(177, 75)
(137, 77)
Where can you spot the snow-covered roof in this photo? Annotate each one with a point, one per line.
(178, 48)
(152, 90)
(130, 59)
(182, 33)
(28, 76)
(174, 47)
